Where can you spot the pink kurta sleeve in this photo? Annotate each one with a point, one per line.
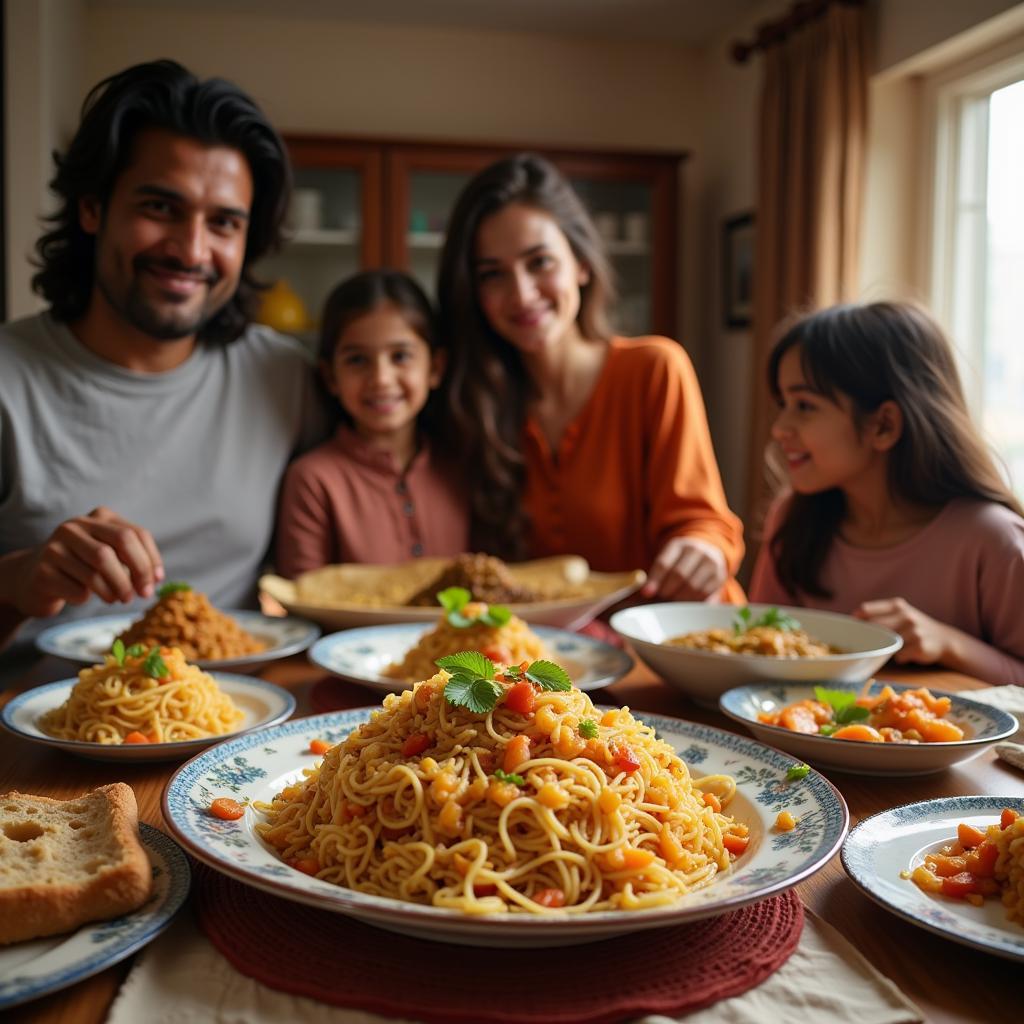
(305, 530)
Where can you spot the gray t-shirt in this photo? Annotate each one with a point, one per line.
(195, 455)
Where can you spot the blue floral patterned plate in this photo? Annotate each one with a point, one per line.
(261, 703)
(360, 655)
(983, 725)
(882, 846)
(87, 640)
(40, 966)
(257, 766)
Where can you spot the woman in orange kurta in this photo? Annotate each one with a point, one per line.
(575, 441)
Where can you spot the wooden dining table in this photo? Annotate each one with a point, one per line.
(948, 981)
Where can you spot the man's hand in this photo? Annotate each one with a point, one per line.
(925, 641)
(687, 569)
(99, 553)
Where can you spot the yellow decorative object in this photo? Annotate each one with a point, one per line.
(283, 309)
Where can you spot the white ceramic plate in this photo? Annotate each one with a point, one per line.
(706, 675)
(40, 966)
(256, 767)
(87, 640)
(360, 655)
(882, 846)
(263, 704)
(983, 725)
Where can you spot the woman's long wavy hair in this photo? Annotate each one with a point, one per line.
(161, 94)
(488, 388)
(882, 351)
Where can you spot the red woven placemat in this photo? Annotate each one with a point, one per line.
(338, 960)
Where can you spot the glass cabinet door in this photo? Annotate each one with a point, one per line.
(432, 195)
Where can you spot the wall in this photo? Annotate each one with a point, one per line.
(43, 73)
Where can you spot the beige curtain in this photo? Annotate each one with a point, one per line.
(813, 127)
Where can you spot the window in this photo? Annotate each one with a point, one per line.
(978, 269)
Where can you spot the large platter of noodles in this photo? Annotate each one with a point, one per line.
(435, 864)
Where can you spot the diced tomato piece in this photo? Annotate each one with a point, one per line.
(226, 809)
(307, 865)
(713, 802)
(981, 861)
(498, 653)
(521, 697)
(136, 737)
(735, 844)
(969, 836)
(484, 889)
(959, 885)
(1007, 818)
(624, 759)
(319, 746)
(415, 744)
(549, 898)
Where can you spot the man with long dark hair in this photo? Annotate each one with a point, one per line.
(144, 421)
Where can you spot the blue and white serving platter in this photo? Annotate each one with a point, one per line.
(983, 725)
(360, 655)
(882, 846)
(256, 767)
(262, 704)
(40, 966)
(87, 640)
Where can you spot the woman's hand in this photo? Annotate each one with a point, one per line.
(99, 553)
(687, 569)
(925, 640)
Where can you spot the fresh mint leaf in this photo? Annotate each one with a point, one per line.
(851, 713)
(845, 708)
(496, 615)
(468, 663)
(459, 621)
(117, 650)
(472, 692)
(512, 672)
(775, 618)
(453, 599)
(742, 621)
(155, 666)
(797, 771)
(588, 729)
(516, 780)
(173, 587)
(827, 729)
(548, 676)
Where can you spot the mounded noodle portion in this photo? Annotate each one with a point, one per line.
(109, 701)
(609, 822)
(509, 644)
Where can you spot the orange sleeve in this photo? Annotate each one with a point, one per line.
(684, 487)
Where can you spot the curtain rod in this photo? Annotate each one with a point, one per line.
(769, 33)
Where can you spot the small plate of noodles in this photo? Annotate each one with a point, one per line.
(182, 617)
(389, 658)
(144, 705)
(500, 807)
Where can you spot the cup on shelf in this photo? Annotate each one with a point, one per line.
(307, 209)
(418, 222)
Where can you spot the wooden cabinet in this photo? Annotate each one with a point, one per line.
(363, 203)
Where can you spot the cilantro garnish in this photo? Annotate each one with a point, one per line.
(172, 587)
(117, 650)
(135, 651)
(473, 686)
(454, 599)
(845, 708)
(773, 618)
(155, 666)
(797, 771)
(588, 729)
(548, 676)
(516, 780)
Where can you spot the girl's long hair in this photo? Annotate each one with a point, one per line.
(874, 353)
(363, 293)
(488, 388)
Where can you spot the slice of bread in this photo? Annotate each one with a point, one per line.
(66, 862)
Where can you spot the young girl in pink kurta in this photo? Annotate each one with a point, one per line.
(378, 491)
(896, 512)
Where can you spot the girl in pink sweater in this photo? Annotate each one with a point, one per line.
(379, 491)
(895, 510)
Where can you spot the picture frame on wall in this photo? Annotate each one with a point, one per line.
(738, 270)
